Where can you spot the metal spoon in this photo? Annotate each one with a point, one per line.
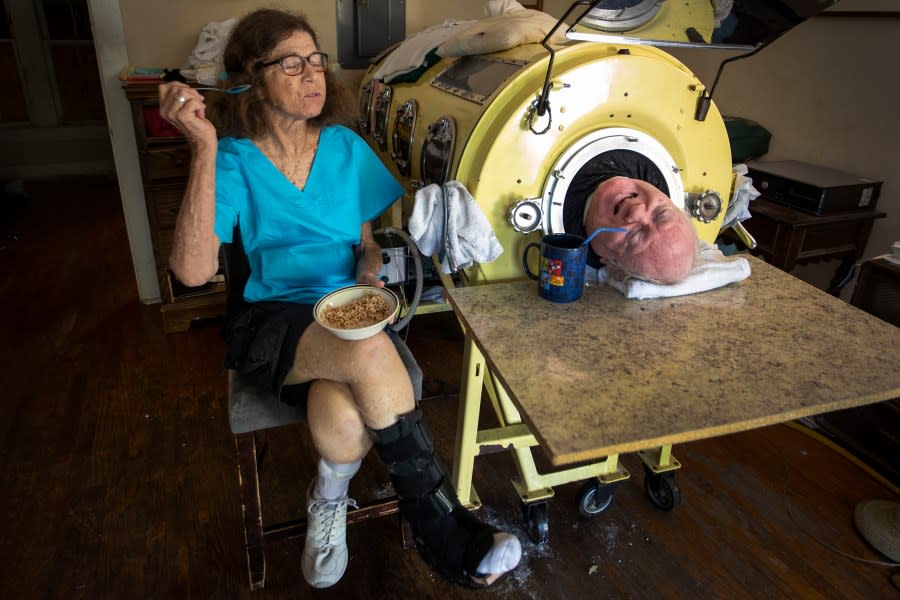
(236, 89)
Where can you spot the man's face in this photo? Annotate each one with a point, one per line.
(660, 243)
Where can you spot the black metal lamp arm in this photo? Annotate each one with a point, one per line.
(544, 101)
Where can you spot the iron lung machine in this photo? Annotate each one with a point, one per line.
(475, 119)
(515, 128)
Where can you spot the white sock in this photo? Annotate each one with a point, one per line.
(334, 479)
(503, 556)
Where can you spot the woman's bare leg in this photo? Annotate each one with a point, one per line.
(371, 368)
(337, 428)
(341, 437)
(370, 375)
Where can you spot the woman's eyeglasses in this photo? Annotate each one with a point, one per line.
(294, 64)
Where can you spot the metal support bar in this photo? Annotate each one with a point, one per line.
(495, 440)
(467, 423)
(544, 101)
(660, 460)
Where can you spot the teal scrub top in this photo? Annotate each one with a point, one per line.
(300, 243)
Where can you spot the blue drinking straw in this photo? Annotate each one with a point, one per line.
(602, 230)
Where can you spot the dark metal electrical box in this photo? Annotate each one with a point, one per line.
(366, 27)
(812, 188)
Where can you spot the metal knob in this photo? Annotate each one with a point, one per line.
(525, 215)
(704, 207)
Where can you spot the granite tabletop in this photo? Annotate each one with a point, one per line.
(605, 375)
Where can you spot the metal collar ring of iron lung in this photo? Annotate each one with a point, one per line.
(468, 119)
(727, 24)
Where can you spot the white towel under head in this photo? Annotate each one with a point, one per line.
(712, 270)
(468, 237)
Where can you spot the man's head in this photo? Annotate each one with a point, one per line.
(660, 244)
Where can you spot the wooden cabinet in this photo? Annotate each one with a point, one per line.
(165, 158)
(787, 236)
(877, 292)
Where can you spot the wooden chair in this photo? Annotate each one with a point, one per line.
(250, 413)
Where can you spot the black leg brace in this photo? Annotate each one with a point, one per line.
(448, 537)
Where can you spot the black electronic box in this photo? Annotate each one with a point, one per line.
(811, 188)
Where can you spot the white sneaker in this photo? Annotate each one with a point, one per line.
(325, 551)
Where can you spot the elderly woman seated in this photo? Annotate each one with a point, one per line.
(623, 189)
(303, 190)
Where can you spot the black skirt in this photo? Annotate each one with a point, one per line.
(261, 344)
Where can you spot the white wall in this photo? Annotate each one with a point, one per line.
(179, 22)
(162, 33)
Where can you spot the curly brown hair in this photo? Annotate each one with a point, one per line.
(252, 40)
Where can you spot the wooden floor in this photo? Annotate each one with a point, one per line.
(118, 480)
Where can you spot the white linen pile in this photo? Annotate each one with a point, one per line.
(205, 64)
(508, 24)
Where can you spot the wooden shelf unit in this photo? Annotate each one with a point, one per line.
(165, 161)
(787, 236)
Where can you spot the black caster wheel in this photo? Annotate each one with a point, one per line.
(537, 521)
(662, 489)
(594, 498)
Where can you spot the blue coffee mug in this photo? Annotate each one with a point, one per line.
(561, 275)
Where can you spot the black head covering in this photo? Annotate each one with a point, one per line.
(613, 163)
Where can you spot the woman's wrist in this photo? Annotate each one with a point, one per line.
(201, 147)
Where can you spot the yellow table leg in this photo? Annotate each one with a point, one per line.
(467, 424)
(514, 435)
(535, 486)
(660, 459)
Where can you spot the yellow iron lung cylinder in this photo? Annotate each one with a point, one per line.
(517, 164)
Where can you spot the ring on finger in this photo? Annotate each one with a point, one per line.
(181, 99)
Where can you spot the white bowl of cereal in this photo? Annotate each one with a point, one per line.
(357, 312)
